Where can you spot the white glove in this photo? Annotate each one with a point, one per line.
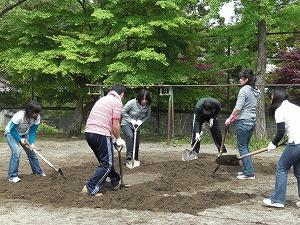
(133, 122)
(271, 146)
(211, 122)
(120, 142)
(139, 122)
(197, 136)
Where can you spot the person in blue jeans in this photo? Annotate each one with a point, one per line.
(244, 113)
(287, 120)
(21, 130)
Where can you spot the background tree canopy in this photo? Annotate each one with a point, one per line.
(54, 48)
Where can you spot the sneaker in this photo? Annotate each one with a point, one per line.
(14, 179)
(268, 202)
(240, 173)
(298, 204)
(245, 177)
(42, 174)
(86, 192)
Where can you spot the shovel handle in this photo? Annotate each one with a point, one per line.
(260, 151)
(253, 153)
(44, 159)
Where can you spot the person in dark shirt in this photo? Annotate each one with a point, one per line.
(207, 110)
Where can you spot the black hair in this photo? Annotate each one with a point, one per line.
(143, 93)
(31, 108)
(208, 105)
(279, 94)
(119, 88)
(248, 73)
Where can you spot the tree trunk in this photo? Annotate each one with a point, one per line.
(75, 128)
(8, 7)
(261, 130)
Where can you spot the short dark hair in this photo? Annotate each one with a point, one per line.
(279, 94)
(143, 93)
(248, 73)
(208, 105)
(32, 107)
(119, 88)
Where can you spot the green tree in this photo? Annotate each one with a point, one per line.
(56, 47)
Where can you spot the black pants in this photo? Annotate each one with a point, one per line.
(215, 133)
(103, 150)
(129, 139)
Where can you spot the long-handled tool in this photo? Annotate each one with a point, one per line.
(190, 154)
(133, 163)
(58, 170)
(233, 160)
(121, 168)
(222, 146)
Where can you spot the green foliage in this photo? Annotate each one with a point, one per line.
(46, 129)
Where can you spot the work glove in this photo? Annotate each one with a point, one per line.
(197, 136)
(230, 119)
(133, 122)
(271, 146)
(139, 122)
(120, 142)
(211, 122)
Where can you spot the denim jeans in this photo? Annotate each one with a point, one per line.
(13, 167)
(103, 150)
(290, 157)
(129, 139)
(244, 131)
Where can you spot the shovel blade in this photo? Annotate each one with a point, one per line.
(132, 164)
(61, 172)
(229, 160)
(188, 155)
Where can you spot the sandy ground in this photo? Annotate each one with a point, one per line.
(164, 190)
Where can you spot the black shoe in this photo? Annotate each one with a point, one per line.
(129, 158)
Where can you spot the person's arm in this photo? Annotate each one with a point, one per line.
(13, 131)
(126, 109)
(147, 114)
(32, 134)
(196, 128)
(279, 133)
(116, 128)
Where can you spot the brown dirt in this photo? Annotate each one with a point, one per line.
(157, 185)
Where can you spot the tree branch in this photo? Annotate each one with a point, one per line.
(9, 7)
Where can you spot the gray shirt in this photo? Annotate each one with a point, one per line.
(247, 102)
(133, 110)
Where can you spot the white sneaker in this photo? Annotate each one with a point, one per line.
(240, 173)
(268, 202)
(245, 177)
(298, 204)
(14, 179)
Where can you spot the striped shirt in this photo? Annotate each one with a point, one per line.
(103, 112)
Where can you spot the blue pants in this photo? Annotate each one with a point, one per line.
(13, 167)
(290, 157)
(244, 131)
(103, 150)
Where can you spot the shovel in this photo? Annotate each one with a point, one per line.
(120, 165)
(133, 163)
(58, 171)
(233, 160)
(221, 148)
(190, 154)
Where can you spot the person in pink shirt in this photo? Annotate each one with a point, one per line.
(102, 125)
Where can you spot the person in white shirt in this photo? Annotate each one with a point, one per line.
(287, 120)
(21, 130)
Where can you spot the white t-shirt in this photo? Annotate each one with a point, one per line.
(289, 114)
(23, 124)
